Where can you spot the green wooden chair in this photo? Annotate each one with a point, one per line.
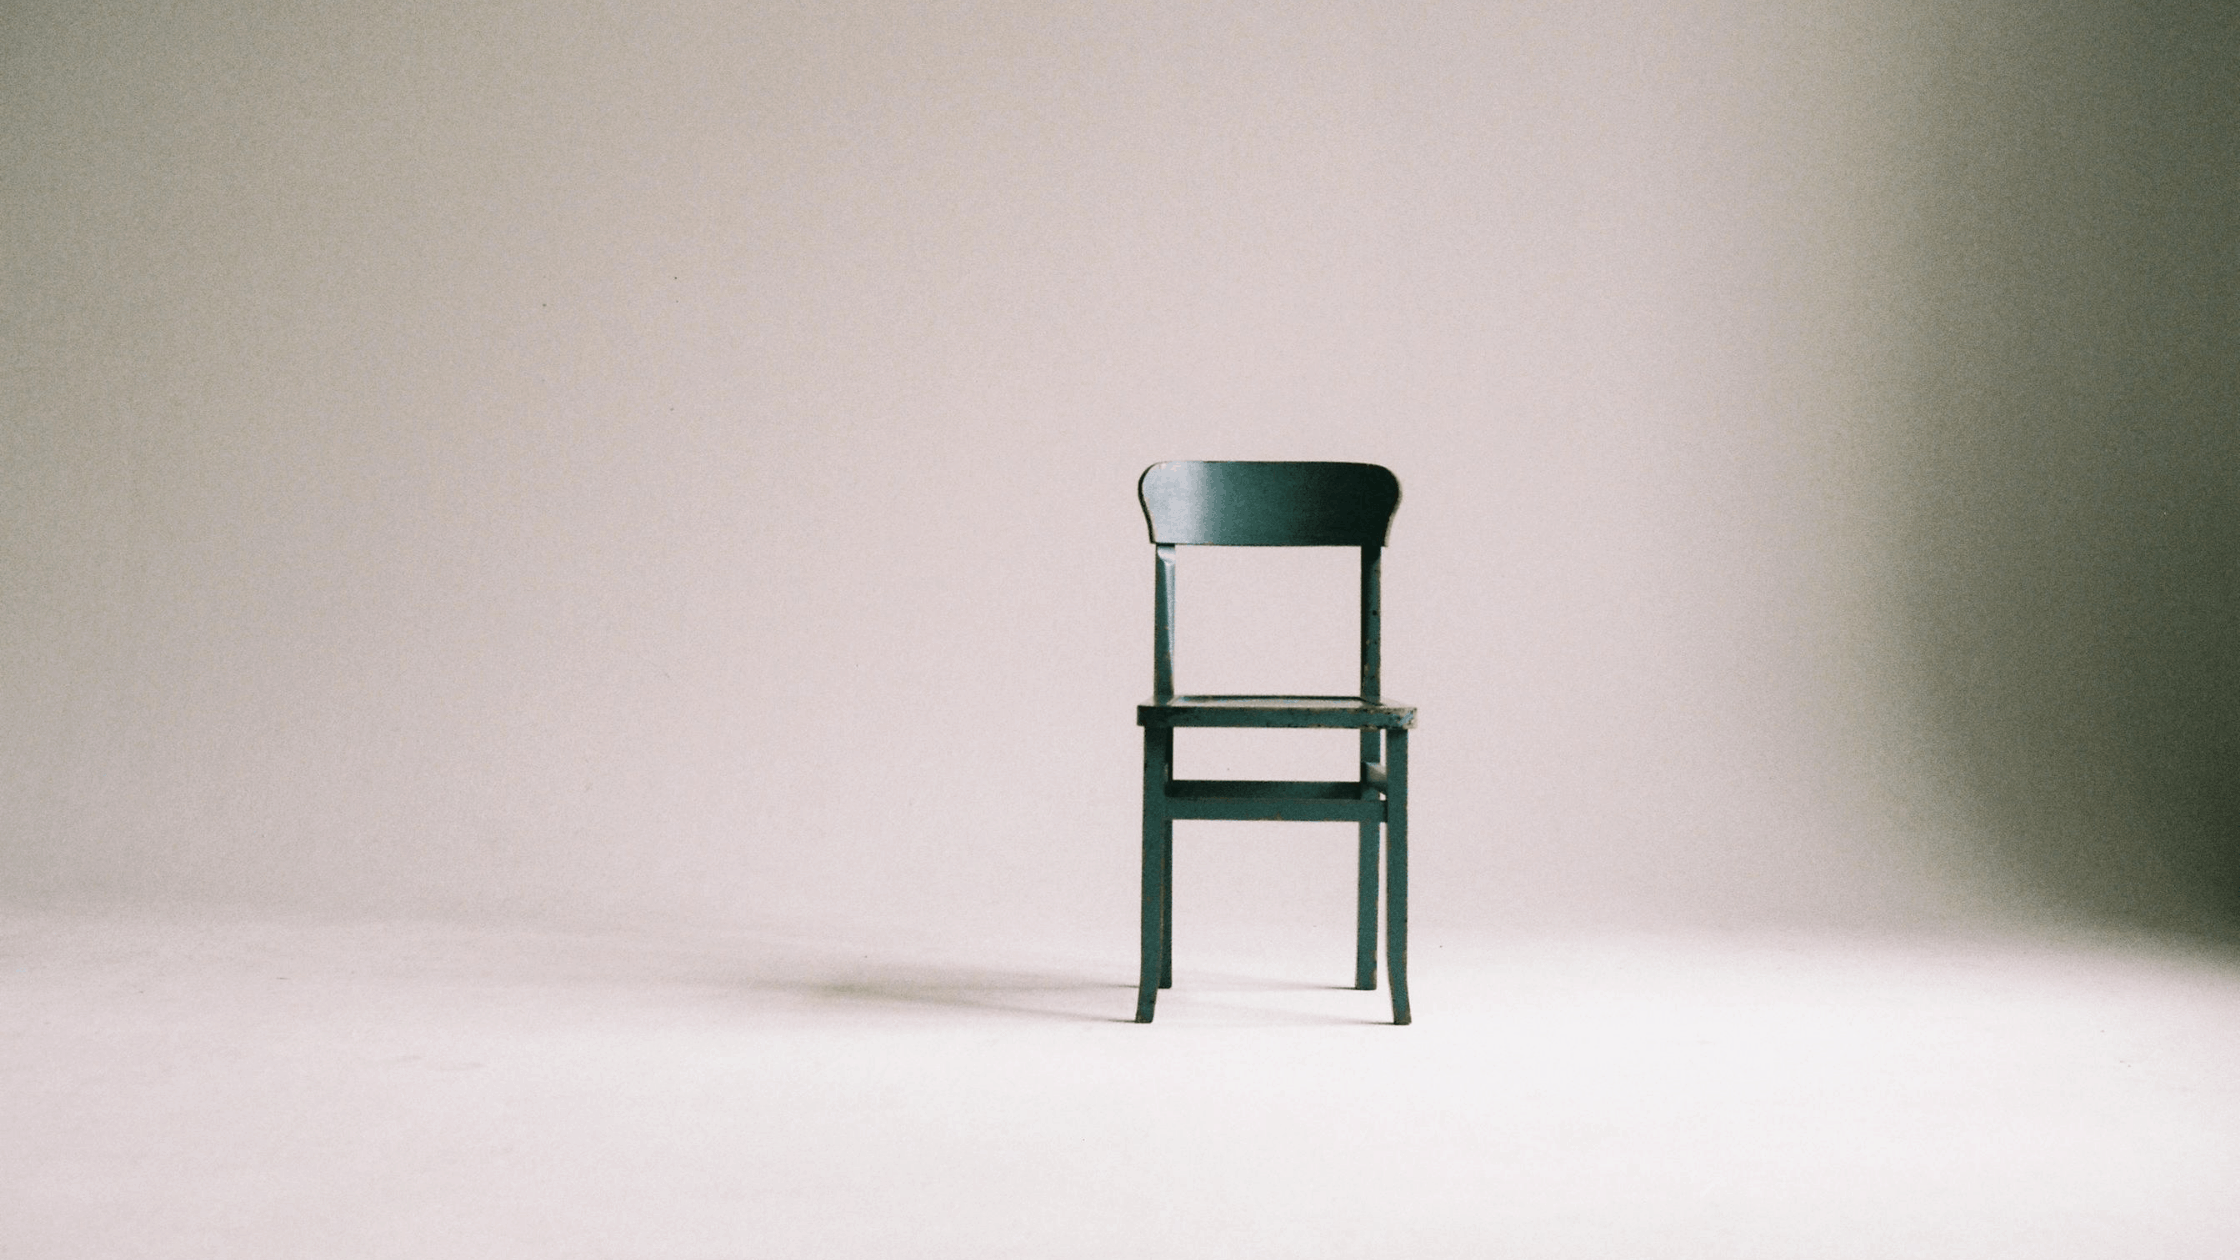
(1249, 504)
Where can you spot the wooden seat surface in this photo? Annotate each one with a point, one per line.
(1338, 712)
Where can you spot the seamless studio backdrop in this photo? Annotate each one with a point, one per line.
(674, 462)
(571, 604)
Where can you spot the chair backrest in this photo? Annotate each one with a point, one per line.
(1252, 503)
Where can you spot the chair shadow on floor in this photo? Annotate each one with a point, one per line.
(1053, 995)
(1065, 996)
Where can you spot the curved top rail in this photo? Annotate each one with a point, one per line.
(1254, 503)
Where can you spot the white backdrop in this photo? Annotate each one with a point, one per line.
(677, 459)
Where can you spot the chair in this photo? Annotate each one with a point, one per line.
(1249, 504)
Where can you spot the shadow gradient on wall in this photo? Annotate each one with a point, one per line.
(2070, 566)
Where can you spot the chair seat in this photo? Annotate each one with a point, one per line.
(1350, 713)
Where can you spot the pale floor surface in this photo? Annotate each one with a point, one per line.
(248, 1089)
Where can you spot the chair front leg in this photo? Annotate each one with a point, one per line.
(1158, 831)
(1365, 880)
(1396, 870)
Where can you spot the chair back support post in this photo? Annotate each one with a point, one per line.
(1372, 619)
(1162, 632)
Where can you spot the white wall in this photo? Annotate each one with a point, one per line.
(678, 458)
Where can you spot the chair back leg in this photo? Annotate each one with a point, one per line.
(1166, 904)
(1365, 910)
